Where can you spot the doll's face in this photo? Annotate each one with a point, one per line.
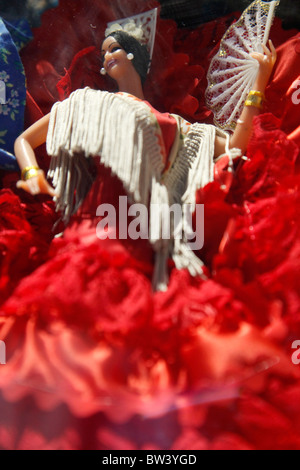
(115, 59)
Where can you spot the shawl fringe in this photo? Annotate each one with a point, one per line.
(123, 132)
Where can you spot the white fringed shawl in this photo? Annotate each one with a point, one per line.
(123, 131)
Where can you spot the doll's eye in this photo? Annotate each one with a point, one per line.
(113, 49)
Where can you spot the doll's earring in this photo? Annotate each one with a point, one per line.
(103, 71)
(130, 56)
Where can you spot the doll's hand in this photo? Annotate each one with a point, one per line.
(266, 64)
(37, 185)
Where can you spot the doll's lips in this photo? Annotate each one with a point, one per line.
(111, 63)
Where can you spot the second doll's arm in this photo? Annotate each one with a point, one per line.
(25, 145)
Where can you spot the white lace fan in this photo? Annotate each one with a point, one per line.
(233, 71)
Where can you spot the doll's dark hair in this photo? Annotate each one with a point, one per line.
(141, 61)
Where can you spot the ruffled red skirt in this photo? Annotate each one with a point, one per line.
(205, 365)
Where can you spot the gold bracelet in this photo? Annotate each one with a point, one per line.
(255, 98)
(29, 172)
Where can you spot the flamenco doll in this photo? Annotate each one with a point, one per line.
(159, 158)
(96, 359)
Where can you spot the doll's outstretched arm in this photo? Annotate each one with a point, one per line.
(243, 130)
(33, 178)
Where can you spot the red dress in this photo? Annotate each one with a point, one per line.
(96, 360)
